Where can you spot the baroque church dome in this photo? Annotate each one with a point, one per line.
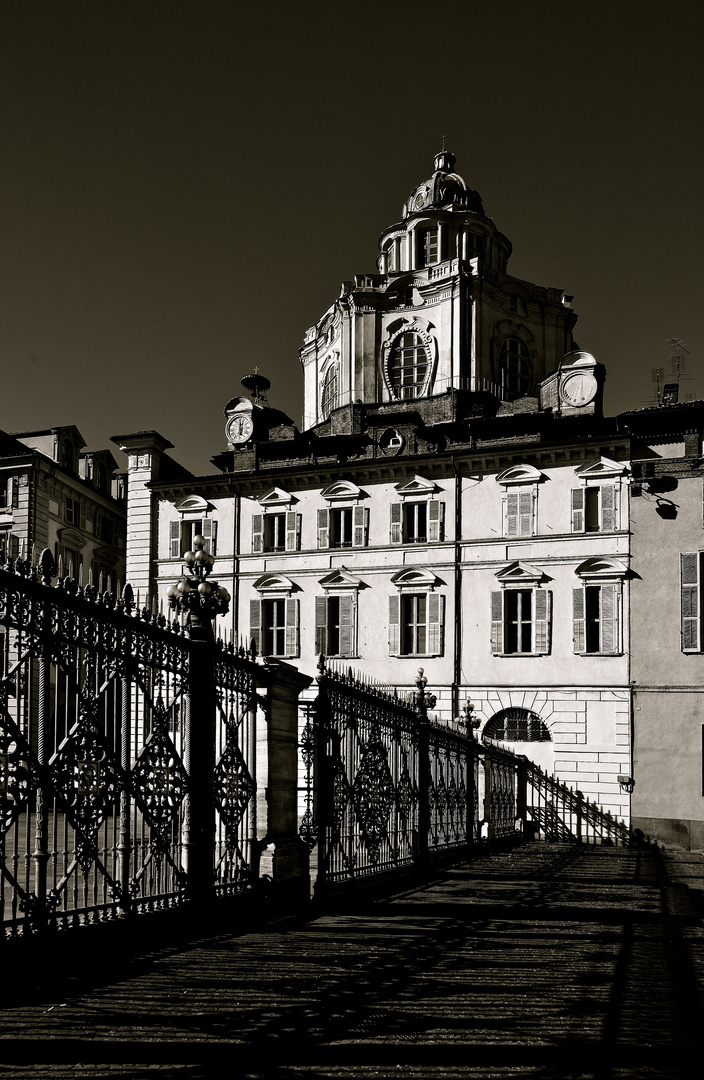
(443, 190)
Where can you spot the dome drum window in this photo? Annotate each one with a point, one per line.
(514, 369)
(329, 397)
(408, 358)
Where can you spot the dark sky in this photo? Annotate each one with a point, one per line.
(185, 185)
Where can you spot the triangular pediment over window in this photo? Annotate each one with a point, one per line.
(605, 467)
(193, 504)
(520, 474)
(276, 496)
(270, 583)
(417, 486)
(342, 489)
(600, 567)
(340, 578)
(517, 573)
(415, 578)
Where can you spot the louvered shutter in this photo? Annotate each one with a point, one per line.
(396, 521)
(608, 603)
(346, 626)
(512, 514)
(293, 531)
(360, 526)
(525, 504)
(14, 547)
(542, 605)
(608, 507)
(210, 533)
(435, 612)
(255, 624)
(292, 628)
(690, 599)
(394, 625)
(578, 509)
(321, 625)
(257, 533)
(436, 519)
(174, 539)
(578, 620)
(81, 516)
(323, 528)
(14, 493)
(497, 622)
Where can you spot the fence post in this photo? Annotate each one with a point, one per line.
(289, 854)
(488, 818)
(421, 702)
(124, 845)
(522, 794)
(200, 763)
(41, 837)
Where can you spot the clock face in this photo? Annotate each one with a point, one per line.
(239, 428)
(578, 389)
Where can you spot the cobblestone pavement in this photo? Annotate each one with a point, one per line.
(552, 961)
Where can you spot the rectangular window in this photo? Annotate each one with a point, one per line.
(273, 626)
(518, 513)
(594, 509)
(73, 512)
(691, 601)
(343, 527)
(274, 532)
(68, 561)
(417, 522)
(335, 625)
(427, 247)
(182, 535)
(416, 624)
(520, 621)
(596, 619)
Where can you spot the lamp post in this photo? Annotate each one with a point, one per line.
(201, 599)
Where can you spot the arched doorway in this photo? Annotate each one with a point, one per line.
(523, 732)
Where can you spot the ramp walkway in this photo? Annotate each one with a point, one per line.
(549, 961)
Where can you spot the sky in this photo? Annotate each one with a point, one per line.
(186, 184)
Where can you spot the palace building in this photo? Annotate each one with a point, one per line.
(456, 501)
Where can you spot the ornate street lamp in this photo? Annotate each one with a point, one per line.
(197, 597)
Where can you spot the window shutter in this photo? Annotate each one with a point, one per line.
(436, 519)
(690, 599)
(14, 493)
(255, 623)
(14, 547)
(396, 519)
(578, 620)
(525, 501)
(512, 515)
(609, 618)
(323, 528)
(81, 515)
(435, 612)
(497, 622)
(292, 628)
(257, 533)
(360, 523)
(321, 625)
(293, 531)
(542, 604)
(210, 532)
(346, 626)
(608, 507)
(174, 539)
(394, 624)
(577, 509)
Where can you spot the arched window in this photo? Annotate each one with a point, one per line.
(515, 371)
(329, 395)
(408, 366)
(516, 725)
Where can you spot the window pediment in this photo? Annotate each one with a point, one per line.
(340, 578)
(600, 568)
(70, 538)
(417, 486)
(342, 489)
(274, 583)
(415, 578)
(603, 469)
(276, 497)
(193, 504)
(520, 573)
(521, 474)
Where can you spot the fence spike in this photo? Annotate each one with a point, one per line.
(80, 575)
(100, 582)
(90, 576)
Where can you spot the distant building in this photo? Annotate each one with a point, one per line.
(456, 502)
(56, 495)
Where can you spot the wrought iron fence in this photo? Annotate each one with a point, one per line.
(558, 812)
(103, 752)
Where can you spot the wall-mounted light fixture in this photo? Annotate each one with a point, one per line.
(627, 783)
